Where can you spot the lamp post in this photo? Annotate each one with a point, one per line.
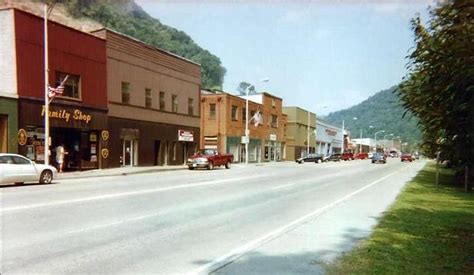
(307, 139)
(247, 131)
(376, 133)
(47, 11)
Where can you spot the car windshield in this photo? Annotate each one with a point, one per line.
(208, 152)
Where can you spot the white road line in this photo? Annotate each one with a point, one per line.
(240, 251)
(283, 186)
(126, 194)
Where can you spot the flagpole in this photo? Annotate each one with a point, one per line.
(46, 81)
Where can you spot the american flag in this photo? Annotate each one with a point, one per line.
(53, 92)
(257, 117)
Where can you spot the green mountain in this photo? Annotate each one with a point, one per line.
(127, 17)
(383, 111)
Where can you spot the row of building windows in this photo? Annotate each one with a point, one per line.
(162, 102)
(234, 114)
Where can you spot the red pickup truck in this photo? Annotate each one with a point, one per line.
(209, 158)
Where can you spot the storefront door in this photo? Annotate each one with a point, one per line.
(129, 153)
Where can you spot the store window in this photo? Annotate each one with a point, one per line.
(174, 103)
(190, 106)
(234, 113)
(125, 93)
(162, 101)
(148, 98)
(212, 110)
(72, 85)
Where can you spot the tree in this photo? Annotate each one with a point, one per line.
(242, 88)
(439, 86)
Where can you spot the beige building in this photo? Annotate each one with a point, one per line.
(301, 124)
(223, 125)
(153, 103)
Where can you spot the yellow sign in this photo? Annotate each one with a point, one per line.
(93, 137)
(22, 137)
(66, 115)
(105, 135)
(105, 153)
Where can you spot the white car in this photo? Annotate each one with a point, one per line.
(18, 169)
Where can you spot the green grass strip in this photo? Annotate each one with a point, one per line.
(426, 231)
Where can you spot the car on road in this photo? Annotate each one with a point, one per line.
(333, 157)
(347, 156)
(361, 156)
(209, 158)
(311, 158)
(18, 169)
(379, 157)
(406, 157)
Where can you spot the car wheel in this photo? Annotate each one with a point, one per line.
(302, 161)
(19, 183)
(373, 161)
(227, 165)
(210, 166)
(319, 161)
(191, 168)
(46, 177)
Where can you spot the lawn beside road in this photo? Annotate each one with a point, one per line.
(427, 230)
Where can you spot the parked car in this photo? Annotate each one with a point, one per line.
(370, 155)
(310, 158)
(347, 156)
(18, 169)
(361, 156)
(333, 157)
(406, 157)
(394, 154)
(379, 157)
(209, 158)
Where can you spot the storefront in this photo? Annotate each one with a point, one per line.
(8, 125)
(149, 143)
(81, 131)
(328, 138)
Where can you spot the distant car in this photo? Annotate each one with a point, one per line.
(310, 158)
(333, 157)
(379, 157)
(18, 169)
(347, 156)
(370, 155)
(361, 156)
(406, 157)
(394, 154)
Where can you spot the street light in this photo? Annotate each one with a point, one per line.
(376, 133)
(247, 132)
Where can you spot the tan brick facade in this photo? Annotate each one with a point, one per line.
(223, 125)
(297, 132)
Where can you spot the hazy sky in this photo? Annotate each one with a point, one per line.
(320, 55)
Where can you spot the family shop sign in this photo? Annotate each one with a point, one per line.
(65, 115)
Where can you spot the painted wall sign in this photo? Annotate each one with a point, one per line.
(105, 153)
(185, 135)
(105, 135)
(331, 132)
(273, 137)
(22, 137)
(65, 115)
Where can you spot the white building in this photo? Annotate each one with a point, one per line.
(328, 137)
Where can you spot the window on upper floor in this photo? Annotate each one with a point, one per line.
(162, 101)
(174, 103)
(244, 114)
(72, 85)
(190, 106)
(274, 121)
(233, 114)
(125, 93)
(148, 98)
(212, 110)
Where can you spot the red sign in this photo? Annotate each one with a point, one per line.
(331, 132)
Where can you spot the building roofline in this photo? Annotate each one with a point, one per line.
(145, 44)
(50, 20)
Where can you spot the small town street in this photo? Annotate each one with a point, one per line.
(262, 219)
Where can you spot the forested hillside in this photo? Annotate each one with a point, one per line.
(127, 17)
(384, 112)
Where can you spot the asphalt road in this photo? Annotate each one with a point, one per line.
(183, 222)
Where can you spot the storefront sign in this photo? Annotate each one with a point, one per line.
(105, 135)
(273, 137)
(331, 132)
(92, 137)
(22, 137)
(184, 135)
(65, 115)
(105, 153)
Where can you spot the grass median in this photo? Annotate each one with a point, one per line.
(426, 231)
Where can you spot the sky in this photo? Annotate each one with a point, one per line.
(322, 56)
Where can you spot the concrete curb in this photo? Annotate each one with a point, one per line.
(98, 174)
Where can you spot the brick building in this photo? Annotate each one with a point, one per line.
(153, 103)
(223, 119)
(300, 123)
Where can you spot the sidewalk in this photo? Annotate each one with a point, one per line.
(120, 171)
